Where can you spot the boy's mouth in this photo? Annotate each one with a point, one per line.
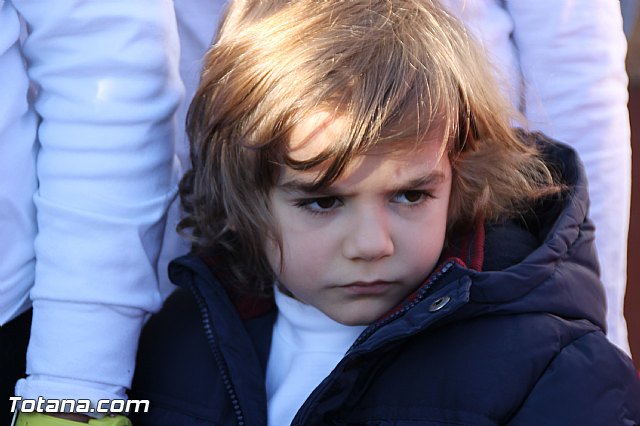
(367, 288)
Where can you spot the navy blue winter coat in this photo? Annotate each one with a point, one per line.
(508, 332)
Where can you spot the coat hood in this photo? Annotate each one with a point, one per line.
(561, 275)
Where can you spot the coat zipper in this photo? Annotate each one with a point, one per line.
(217, 355)
(301, 417)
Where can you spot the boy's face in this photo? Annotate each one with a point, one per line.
(358, 248)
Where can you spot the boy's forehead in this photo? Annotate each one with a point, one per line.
(315, 133)
(413, 160)
(383, 171)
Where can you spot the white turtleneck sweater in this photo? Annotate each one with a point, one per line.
(306, 346)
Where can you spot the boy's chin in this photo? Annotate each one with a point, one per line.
(354, 318)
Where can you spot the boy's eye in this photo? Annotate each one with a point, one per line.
(320, 204)
(326, 202)
(410, 197)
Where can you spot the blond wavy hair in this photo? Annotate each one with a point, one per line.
(397, 70)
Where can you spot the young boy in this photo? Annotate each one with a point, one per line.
(373, 242)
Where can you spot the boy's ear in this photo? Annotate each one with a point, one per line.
(230, 226)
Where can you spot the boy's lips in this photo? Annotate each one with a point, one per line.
(367, 288)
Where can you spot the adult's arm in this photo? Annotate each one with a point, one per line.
(107, 86)
(572, 58)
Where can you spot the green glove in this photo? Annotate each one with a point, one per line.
(39, 419)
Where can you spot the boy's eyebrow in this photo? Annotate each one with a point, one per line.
(299, 185)
(308, 186)
(434, 177)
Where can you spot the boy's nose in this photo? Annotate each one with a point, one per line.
(369, 237)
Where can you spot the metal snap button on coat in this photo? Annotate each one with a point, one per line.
(439, 303)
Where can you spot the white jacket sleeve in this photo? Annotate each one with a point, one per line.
(572, 57)
(106, 75)
(18, 180)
